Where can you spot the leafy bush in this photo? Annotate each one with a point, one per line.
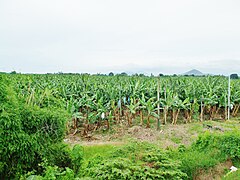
(193, 160)
(64, 166)
(134, 161)
(209, 150)
(52, 173)
(28, 134)
(58, 155)
(122, 168)
(77, 158)
(228, 143)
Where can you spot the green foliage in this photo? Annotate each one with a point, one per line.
(53, 173)
(104, 150)
(135, 161)
(32, 125)
(145, 161)
(232, 176)
(60, 163)
(27, 133)
(122, 168)
(209, 150)
(77, 157)
(58, 155)
(193, 160)
(228, 143)
(75, 92)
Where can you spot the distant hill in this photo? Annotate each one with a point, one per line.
(194, 72)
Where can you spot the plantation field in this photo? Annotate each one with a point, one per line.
(65, 126)
(94, 99)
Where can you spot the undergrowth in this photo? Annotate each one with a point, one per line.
(138, 160)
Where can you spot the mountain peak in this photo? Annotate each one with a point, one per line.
(194, 72)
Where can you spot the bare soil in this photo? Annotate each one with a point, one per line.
(214, 173)
(168, 136)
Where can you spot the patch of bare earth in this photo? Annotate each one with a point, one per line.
(122, 134)
(169, 135)
(179, 132)
(143, 134)
(214, 173)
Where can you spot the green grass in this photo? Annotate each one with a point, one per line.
(194, 160)
(233, 176)
(103, 150)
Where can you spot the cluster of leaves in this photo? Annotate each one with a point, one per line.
(227, 143)
(29, 135)
(209, 150)
(63, 169)
(51, 172)
(134, 161)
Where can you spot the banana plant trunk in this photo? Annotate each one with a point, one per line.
(141, 116)
(176, 118)
(165, 114)
(235, 110)
(201, 115)
(148, 121)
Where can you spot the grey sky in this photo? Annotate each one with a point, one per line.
(99, 36)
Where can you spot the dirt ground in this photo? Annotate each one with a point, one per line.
(168, 136)
(214, 173)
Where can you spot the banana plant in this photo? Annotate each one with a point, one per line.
(101, 111)
(131, 111)
(151, 108)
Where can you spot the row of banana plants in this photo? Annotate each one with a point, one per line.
(95, 100)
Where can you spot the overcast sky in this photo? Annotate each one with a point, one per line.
(99, 36)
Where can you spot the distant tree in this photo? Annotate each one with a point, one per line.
(123, 74)
(85, 74)
(141, 75)
(99, 74)
(13, 72)
(161, 75)
(111, 74)
(174, 75)
(234, 76)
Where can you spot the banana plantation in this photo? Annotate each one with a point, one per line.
(96, 101)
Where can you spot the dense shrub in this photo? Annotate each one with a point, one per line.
(77, 158)
(123, 168)
(209, 150)
(193, 160)
(228, 143)
(51, 173)
(134, 161)
(28, 134)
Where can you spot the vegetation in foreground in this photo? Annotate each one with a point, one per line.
(139, 160)
(31, 137)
